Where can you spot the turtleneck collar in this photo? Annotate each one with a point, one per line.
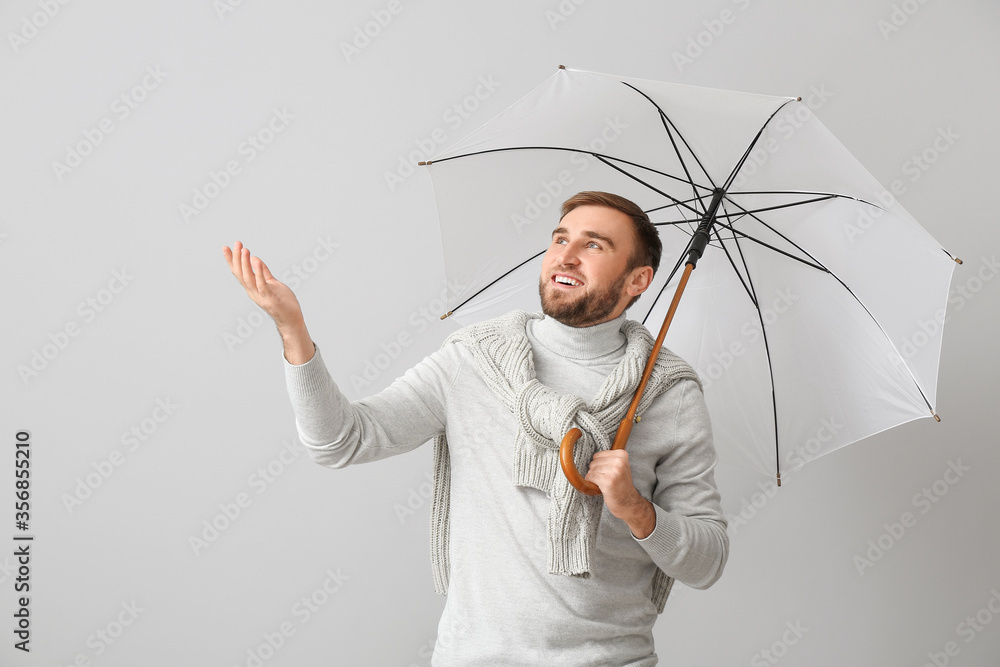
(579, 342)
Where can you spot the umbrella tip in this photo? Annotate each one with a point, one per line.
(958, 260)
(779, 478)
(424, 164)
(798, 99)
(447, 314)
(562, 67)
(936, 418)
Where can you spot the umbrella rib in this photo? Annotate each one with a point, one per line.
(824, 195)
(775, 249)
(496, 280)
(845, 286)
(799, 192)
(791, 242)
(677, 202)
(673, 222)
(751, 293)
(603, 158)
(665, 119)
(667, 124)
(683, 221)
(753, 142)
(545, 148)
(697, 197)
(683, 202)
(778, 206)
(770, 369)
(743, 257)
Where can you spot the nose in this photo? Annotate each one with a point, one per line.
(568, 255)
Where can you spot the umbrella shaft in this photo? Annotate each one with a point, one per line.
(625, 428)
(697, 247)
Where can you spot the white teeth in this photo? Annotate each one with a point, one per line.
(566, 280)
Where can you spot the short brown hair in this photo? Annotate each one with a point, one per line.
(648, 247)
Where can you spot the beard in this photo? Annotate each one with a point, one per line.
(581, 310)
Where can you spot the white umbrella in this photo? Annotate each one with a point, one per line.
(816, 313)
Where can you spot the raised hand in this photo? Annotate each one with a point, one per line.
(275, 298)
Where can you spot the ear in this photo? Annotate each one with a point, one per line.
(639, 280)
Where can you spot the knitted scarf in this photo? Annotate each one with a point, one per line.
(502, 355)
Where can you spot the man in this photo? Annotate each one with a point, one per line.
(535, 572)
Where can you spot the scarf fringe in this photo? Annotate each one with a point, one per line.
(440, 524)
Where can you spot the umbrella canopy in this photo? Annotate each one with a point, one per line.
(816, 312)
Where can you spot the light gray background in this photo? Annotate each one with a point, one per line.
(169, 334)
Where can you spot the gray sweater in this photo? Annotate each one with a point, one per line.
(503, 606)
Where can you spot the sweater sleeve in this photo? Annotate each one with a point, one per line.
(689, 542)
(400, 418)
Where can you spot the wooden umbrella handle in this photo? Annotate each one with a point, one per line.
(625, 427)
(569, 467)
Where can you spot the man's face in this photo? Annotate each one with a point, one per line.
(584, 278)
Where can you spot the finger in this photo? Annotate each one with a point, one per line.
(247, 276)
(258, 273)
(599, 472)
(607, 467)
(595, 478)
(234, 261)
(611, 455)
(599, 461)
(228, 254)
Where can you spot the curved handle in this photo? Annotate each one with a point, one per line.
(569, 467)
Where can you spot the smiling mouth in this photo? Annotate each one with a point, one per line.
(561, 279)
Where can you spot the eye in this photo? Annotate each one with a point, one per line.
(559, 240)
(594, 244)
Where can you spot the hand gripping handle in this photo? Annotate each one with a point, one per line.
(566, 456)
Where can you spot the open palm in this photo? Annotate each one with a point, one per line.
(272, 295)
